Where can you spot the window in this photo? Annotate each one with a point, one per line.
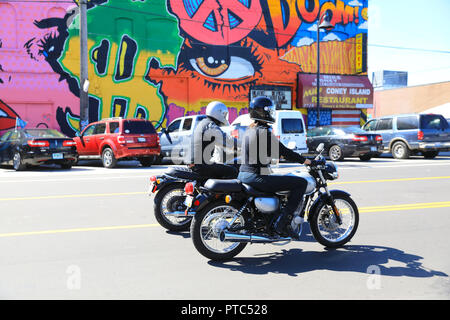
(187, 124)
(384, 124)
(89, 130)
(100, 128)
(14, 136)
(432, 121)
(43, 133)
(370, 126)
(407, 123)
(114, 127)
(291, 126)
(5, 136)
(138, 127)
(174, 126)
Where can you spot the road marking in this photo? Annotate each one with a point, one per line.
(400, 207)
(93, 195)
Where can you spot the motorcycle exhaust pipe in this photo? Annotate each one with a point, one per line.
(179, 214)
(238, 237)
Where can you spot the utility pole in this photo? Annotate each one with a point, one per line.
(84, 83)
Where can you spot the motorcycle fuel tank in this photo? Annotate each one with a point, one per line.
(267, 205)
(311, 186)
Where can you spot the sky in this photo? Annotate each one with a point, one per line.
(416, 24)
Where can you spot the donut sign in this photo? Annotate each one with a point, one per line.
(218, 22)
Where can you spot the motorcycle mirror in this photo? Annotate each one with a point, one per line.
(291, 145)
(320, 147)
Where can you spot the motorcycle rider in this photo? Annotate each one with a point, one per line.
(259, 147)
(208, 139)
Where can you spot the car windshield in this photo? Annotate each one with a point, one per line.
(138, 127)
(291, 126)
(353, 130)
(43, 133)
(432, 121)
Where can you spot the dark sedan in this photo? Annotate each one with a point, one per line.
(341, 142)
(32, 147)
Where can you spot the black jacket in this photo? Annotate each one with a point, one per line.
(206, 137)
(260, 146)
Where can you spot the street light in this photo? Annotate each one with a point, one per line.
(326, 24)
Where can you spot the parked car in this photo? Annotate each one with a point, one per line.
(115, 139)
(341, 142)
(288, 126)
(411, 134)
(33, 147)
(175, 140)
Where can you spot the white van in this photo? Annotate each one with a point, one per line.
(288, 126)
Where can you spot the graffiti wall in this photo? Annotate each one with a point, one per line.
(161, 59)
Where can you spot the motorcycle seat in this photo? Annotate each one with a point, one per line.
(254, 192)
(184, 173)
(219, 185)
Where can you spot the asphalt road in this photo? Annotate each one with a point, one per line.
(90, 233)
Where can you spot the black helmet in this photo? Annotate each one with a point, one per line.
(262, 109)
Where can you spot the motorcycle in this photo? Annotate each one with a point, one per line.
(170, 203)
(241, 214)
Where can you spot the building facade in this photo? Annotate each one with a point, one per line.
(161, 59)
(432, 98)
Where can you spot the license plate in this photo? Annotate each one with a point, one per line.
(57, 156)
(373, 148)
(188, 201)
(141, 140)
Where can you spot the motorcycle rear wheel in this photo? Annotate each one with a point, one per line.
(325, 228)
(205, 231)
(165, 201)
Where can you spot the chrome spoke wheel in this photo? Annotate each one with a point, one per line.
(214, 222)
(172, 207)
(328, 226)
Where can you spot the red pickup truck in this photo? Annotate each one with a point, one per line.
(116, 139)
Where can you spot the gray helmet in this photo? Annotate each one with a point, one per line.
(218, 111)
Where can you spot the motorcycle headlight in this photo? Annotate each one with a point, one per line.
(331, 172)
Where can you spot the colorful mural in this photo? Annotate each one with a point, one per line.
(160, 59)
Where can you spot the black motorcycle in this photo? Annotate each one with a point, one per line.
(236, 214)
(170, 203)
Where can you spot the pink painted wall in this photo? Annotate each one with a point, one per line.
(30, 86)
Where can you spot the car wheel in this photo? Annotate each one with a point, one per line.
(18, 164)
(400, 150)
(108, 158)
(335, 153)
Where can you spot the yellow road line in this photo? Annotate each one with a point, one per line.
(93, 195)
(400, 207)
(390, 180)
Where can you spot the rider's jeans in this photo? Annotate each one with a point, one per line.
(274, 183)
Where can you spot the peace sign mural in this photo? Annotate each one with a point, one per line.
(218, 22)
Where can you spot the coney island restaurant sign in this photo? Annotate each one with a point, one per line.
(336, 92)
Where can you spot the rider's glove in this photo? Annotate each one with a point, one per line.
(315, 163)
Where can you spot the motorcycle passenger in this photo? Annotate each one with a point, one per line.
(207, 139)
(259, 147)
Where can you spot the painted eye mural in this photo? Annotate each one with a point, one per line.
(160, 59)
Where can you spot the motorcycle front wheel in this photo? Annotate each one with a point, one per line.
(325, 228)
(169, 208)
(207, 225)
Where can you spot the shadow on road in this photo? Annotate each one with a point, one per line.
(353, 258)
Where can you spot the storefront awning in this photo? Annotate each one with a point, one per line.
(336, 92)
